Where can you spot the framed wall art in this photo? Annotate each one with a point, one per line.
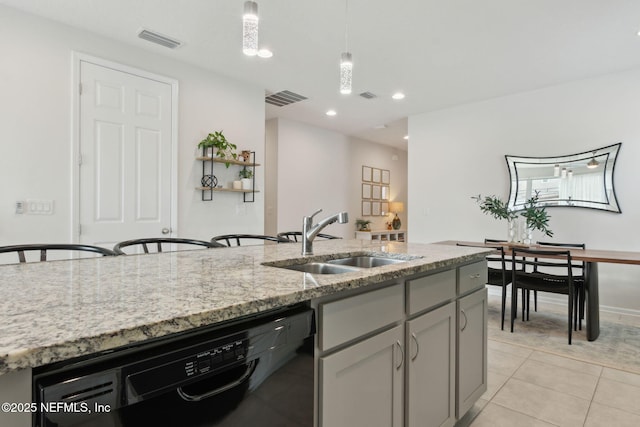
(366, 173)
(366, 191)
(366, 208)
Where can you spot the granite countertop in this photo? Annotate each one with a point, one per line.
(56, 310)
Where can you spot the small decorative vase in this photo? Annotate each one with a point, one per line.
(527, 234)
(512, 230)
(237, 185)
(246, 183)
(226, 155)
(396, 223)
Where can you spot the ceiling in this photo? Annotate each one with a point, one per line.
(439, 53)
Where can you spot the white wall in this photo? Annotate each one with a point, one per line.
(35, 131)
(318, 168)
(271, 178)
(459, 152)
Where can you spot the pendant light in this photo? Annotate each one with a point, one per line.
(250, 28)
(593, 163)
(346, 63)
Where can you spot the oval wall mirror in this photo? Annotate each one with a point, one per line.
(583, 180)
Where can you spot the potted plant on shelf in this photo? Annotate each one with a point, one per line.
(245, 176)
(222, 148)
(362, 224)
(535, 216)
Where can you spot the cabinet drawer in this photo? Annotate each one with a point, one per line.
(430, 291)
(472, 276)
(350, 318)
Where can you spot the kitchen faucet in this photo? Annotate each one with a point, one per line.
(310, 231)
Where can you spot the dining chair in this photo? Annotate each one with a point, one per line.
(293, 235)
(159, 243)
(542, 278)
(496, 270)
(578, 270)
(43, 248)
(229, 240)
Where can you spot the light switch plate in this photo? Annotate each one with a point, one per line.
(39, 207)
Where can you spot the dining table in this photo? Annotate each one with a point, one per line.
(591, 258)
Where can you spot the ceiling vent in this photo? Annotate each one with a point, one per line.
(159, 39)
(285, 97)
(368, 95)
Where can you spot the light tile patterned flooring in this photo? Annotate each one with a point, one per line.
(528, 387)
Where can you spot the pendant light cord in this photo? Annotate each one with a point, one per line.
(346, 26)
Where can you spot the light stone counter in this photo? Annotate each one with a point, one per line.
(57, 310)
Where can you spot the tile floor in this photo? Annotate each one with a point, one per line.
(532, 388)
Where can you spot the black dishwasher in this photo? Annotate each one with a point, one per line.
(257, 371)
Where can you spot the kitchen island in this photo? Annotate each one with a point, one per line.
(60, 310)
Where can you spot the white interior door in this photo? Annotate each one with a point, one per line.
(126, 156)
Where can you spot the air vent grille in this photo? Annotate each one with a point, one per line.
(368, 95)
(285, 97)
(156, 38)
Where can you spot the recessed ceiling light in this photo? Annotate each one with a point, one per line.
(265, 53)
(406, 137)
(398, 95)
(331, 113)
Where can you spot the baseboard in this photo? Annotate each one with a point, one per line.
(561, 301)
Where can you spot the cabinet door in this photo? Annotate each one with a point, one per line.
(362, 385)
(472, 350)
(431, 362)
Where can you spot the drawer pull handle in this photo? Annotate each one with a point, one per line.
(401, 354)
(465, 320)
(415, 339)
(474, 276)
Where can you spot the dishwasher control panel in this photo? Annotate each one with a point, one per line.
(216, 358)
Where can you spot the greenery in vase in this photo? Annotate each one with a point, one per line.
(494, 206)
(223, 148)
(535, 216)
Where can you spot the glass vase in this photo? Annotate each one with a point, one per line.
(527, 234)
(512, 230)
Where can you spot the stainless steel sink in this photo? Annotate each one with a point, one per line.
(340, 265)
(322, 268)
(366, 261)
(343, 265)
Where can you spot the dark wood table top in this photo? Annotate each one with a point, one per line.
(588, 255)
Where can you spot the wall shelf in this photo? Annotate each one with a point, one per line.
(226, 190)
(208, 162)
(231, 162)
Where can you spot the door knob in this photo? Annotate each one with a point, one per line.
(166, 230)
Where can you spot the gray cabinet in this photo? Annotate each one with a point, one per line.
(412, 353)
(431, 366)
(362, 384)
(472, 350)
